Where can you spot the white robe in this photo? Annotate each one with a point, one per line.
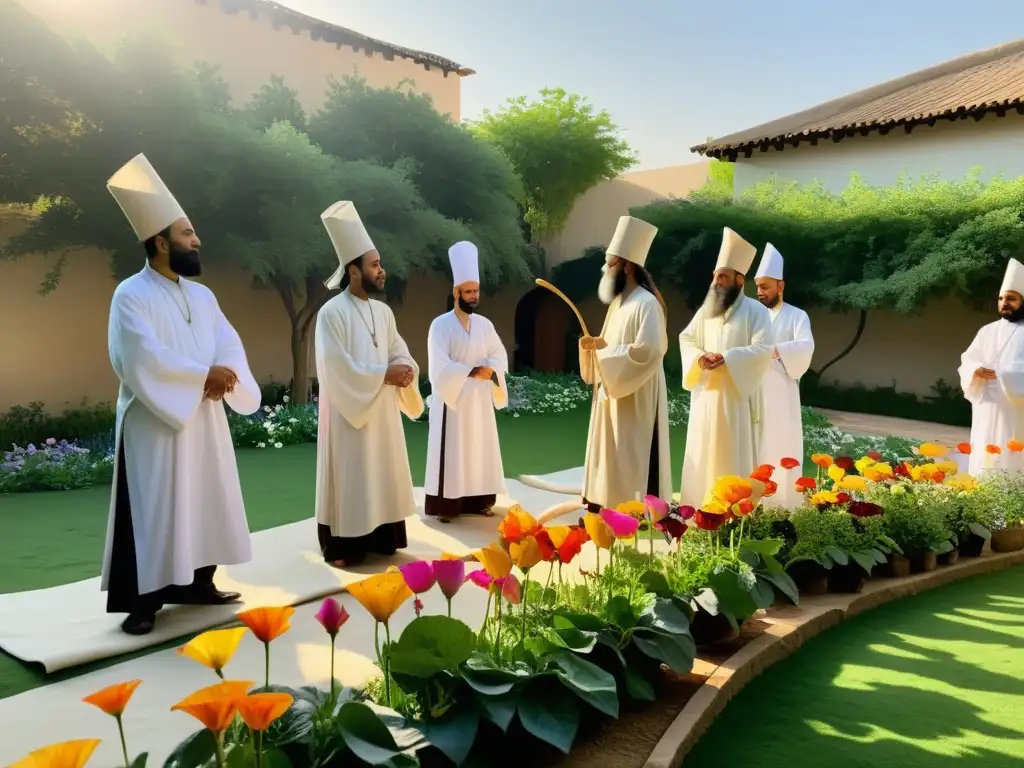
(723, 436)
(186, 500)
(472, 454)
(997, 406)
(783, 433)
(631, 399)
(363, 479)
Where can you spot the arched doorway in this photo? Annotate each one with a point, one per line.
(546, 334)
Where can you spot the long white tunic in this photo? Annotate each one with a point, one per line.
(186, 501)
(723, 436)
(997, 406)
(363, 479)
(472, 454)
(783, 433)
(631, 399)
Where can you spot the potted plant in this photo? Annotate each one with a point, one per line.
(1008, 510)
(816, 550)
(915, 520)
(969, 515)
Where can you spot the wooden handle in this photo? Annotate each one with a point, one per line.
(545, 284)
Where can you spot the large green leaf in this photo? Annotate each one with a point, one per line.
(979, 530)
(838, 555)
(454, 733)
(665, 615)
(763, 547)
(620, 612)
(675, 651)
(551, 713)
(762, 594)
(432, 644)
(785, 584)
(499, 709)
(864, 560)
(733, 597)
(365, 735)
(638, 686)
(655, 582)
(586, 622)
(565, 634)
(275, 758)
(140, 761)
(591, 683)
(197, 750)
(296, 724)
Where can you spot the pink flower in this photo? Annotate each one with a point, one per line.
(512, 590)
(450, 575)
(419, 576)
(623, 526)
(655, 508)
(481, 578)
(687, 512)
(332, 616)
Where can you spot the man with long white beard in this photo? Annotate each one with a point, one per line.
(367, 380)
(176, 510)
(992, 377)
(726, 352)
(628, 441)
(792, 350)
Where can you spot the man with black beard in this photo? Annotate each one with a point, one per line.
(367, 381)
(726, 352)
(466, 363)
(176, 509)
(992, 377)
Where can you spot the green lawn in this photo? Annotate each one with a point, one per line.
(55, 538)
(931, 681)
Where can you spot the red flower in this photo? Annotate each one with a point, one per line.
(789, 463)
(672, 526)
(874, 455)
(865, 509)
(770, 487)
(709, 522)
(806, 484)
(763, 473)
(573, 543)
(903, 470)
(547, 547)
(843, 498)
(846, 463)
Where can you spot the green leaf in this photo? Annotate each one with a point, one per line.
(296, 724)
(565, 634)
(762, 594)
(551, 713)
(454, 733)
(620, 612)
(483, 675)
(979, 530)
(878, 556)
(275, 758)
(785, 584)
(944, 547)
(675, 651)
(684, 604)
(733, 597)
(586, 622)
(638, 686)
(838, 555)
(365, 735)
(664, 615)
(708, 600)
(865, 560)
(655, 581)
(197, 750)
(499, 709)
(240, 755)
(431, 644)
(763, 547)
(140, 761)
(589, 682)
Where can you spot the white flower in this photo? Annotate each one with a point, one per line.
(286, 398)
(266, 408)
(293, 420)
(278, 445)
(261, 445)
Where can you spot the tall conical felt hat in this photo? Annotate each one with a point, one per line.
(771, 264)
(632, 240)
(736, 253)
(144, 199)
(348, 235)
(1013, 280)
(465, 262)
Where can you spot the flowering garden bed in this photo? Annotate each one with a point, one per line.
(562, 652)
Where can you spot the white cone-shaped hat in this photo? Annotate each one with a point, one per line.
(465, 263)
(736, 253)
(144, 199)
(632, 240)
(348, 235)
(771, 264)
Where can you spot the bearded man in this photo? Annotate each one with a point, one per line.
(992, 377)
(367, 381)
(726, 353)
(628, 441)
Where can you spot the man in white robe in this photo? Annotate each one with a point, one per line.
(467, 364)
(792, 350)
(992, 377)
(176, 509)
(726, 352)
(367, 381)
(628, 441)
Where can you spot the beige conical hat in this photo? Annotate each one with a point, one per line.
(1013, 280)
(736, 253)
(465, 261)
(145, 200)
(348, 235)
(632, 240)
(771, 264)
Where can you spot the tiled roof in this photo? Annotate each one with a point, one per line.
(280, 16)
(989, 81)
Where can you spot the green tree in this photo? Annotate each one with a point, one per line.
(560, 146)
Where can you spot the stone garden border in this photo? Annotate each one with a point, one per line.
(791, 627)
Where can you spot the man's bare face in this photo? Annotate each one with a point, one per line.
(372, 273)
(769, 291)
(468, 297)
(1010, 306)
(182, 249)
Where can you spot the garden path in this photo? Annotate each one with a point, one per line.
(870, 424)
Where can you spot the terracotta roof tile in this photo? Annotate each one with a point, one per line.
(988, 81)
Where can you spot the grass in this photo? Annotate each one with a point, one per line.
(57, 537)
(932, 681)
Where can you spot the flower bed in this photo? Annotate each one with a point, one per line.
(68, 466)
(555, 654)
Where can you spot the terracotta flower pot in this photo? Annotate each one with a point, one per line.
(896, 567)
(971, 544)
(1008, 540)
(846, 579)
(926, 560)
(811, 578)
(949, 558)
(711, 630)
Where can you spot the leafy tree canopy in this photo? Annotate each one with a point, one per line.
(560, 146)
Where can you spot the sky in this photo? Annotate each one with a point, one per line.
(673, 74)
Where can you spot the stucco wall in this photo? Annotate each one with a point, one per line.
(950, 149)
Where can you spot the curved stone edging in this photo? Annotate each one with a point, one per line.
(791, 627)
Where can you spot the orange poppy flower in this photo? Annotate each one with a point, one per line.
(267, 623)
(259, 710)
(770, 489)
(383, 594)
(568, 541)
(1016, 446)
(964, 448)
(822, 460)
(517, 525)
(742, 508)
(789, 463)
(763, 473)
(215, 706)
(994, 449)
(114, 698)
(806, 484)
(732, 488)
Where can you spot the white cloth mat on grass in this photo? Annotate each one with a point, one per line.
(67, 626)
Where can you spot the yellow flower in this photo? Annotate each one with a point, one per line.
(853, 483)
(215, 648)
(823, 497)
(67, 754)
(933, 450)
(525, 553)
(962, 482)
(631, 508)
(836, 473)
(863, 463)
(948, 467)
(878, 472)
(495, 560)
(731, 489)
(382, 594)
(715, 507)
(599, 531)
(215, 706)
(518, 524)
(925, 472)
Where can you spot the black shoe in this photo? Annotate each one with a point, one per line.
(206, 595)
(138, 623)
